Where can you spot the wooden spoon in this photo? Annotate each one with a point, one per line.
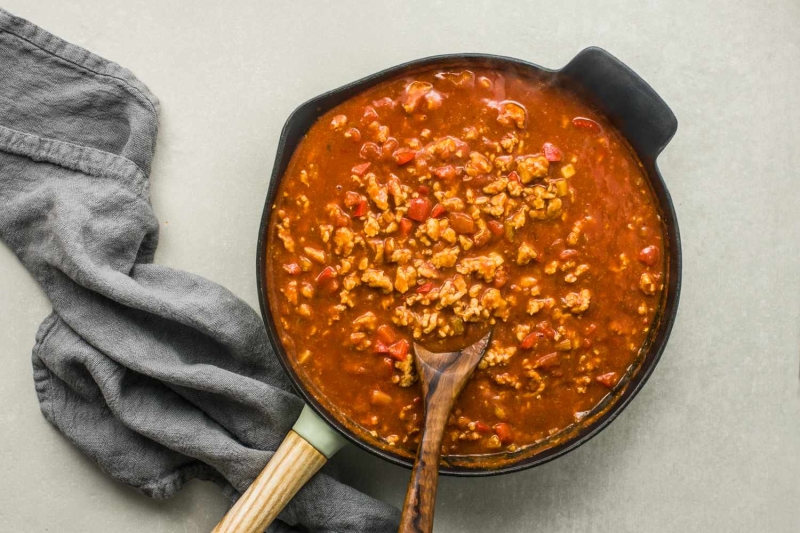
(442, 376)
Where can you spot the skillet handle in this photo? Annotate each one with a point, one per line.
(630, 102)
(290, 468)
(306, 448)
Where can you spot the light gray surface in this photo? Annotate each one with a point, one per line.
(713, 441)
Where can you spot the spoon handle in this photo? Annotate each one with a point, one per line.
(421, 494)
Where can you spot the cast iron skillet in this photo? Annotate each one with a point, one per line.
(632, 106)
(647, 124)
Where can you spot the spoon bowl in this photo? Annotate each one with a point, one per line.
(443, 377)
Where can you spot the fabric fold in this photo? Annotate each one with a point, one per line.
(157, 375)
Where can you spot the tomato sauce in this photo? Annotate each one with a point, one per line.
(431, 208)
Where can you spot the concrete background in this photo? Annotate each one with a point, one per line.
(712, 443)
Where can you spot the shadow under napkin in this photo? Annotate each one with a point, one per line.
(159, 376)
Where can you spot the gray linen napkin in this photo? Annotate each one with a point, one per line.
(159, 376)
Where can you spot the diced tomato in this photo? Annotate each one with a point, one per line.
(481, 238)
(551, 152)
(370, 114)
(389, 146)
(495, 227)
(608, 379)
(339, 218)
(362, 209)
(369, 150)
(403, 155)
(353, 134)
(649, 256)
(386, 334)
(293, 269)
(384, 102)
(425, 289)
(586, 124)
(586, 342)
(352, 198)
(513, 176)
(438, 211)
(461, 223)
(380, 347)
(545, 328)
(501, 277)
(419, 209)
(531, 339)
(423, 190)
(480, 427)
(359, 170)
(327, 273)
(504, 433)
(447, 172)
(399, 350)
(405, 226)
(331, 285)
(550, 360)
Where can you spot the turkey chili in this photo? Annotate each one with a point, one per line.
(431, 208)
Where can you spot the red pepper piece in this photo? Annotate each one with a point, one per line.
(419, 209)
(327, 273)
(504, 433)
(360, 170)
(586, 124)
(425, 289)
(495, 227)
(480, 427)
(608, 379)
(293, 269)
(403, 155)
(386, 334)
(423, 190)
(405, 226)
(550, 360)
(399, 350)
(438, 211)
(362, 209)
(551, 152)
(530, 340)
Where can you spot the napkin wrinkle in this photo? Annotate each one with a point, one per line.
(157, 375)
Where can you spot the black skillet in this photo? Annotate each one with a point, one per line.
(645, 121)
